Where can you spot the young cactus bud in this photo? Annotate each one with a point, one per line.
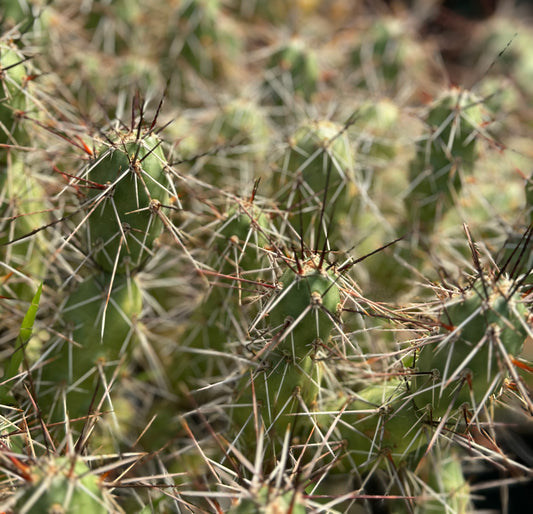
(481, 329)
(63, 485)
(318, 166)
(444, 158)
(292, 70)
(124, 221)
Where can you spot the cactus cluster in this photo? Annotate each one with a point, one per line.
(255, 258)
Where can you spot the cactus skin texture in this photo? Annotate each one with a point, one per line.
(62, 485)
(477, 326)
(125, 223)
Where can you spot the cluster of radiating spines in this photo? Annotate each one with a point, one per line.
(59, 484)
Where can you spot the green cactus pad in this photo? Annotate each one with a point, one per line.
(132, 175)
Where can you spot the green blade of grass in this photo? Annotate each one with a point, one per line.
(23, 337)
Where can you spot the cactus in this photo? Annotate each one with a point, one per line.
(481, 329)
(204, 39)
(445, 158)
(318, 179)
(99, 317)
(291, 70)
(128, 187)
(261, 300)
(286, 374)
(62, 484)
(13, 103)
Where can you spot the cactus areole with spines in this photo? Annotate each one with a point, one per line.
(307, 305)
(125, 223)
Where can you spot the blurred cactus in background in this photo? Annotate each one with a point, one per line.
(263, 257)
